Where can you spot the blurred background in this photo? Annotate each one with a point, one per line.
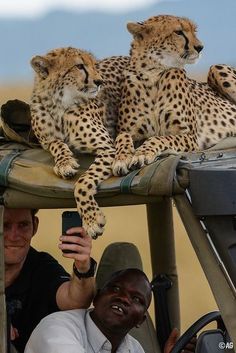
(28, 28)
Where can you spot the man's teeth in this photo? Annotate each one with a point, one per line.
(117, 308)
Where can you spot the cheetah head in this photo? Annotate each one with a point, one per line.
(165, 40)
(67, 76)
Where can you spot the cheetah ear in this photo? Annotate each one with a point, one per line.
(138, 29)
(40, 65)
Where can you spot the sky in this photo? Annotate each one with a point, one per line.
(33, 27)
(35, 8)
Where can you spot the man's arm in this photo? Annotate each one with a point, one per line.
(76, 293)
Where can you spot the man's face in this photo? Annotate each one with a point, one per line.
(122, 304)
(18, 229)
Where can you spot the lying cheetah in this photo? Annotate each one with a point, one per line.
(67, 117)
(222, 78)
(157, 105)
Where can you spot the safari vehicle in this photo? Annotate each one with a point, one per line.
(203, 187)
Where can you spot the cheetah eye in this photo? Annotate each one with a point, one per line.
(80, 66)
(179, 33)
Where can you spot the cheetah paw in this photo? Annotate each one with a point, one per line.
(95, 227)
(121, 165)
(141, 159)
(66, 168)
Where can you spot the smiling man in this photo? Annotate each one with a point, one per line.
(36, 284)
(119, 306)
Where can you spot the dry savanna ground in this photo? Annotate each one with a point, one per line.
(128, 224)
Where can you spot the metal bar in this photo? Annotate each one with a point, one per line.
(162, 250)
(225, 299)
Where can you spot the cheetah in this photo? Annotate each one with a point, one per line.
(222, 78)
(67, 116)
(158, 107)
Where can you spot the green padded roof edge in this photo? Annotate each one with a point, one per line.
(5, 165)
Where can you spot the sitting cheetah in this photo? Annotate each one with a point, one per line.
(158, 106)
(67, 117)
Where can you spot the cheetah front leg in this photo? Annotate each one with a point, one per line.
(222, 78)
(85, 189)
(124, 153)
(135, 120)
(66, 165)
(51, 140)
(156, 145)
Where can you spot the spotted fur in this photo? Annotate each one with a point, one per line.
(66, 117)
(158, 107)
(222, 79)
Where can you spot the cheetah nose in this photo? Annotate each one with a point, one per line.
(98, 82)
(198, 48)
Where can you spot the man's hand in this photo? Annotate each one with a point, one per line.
(76, 293)
(14, 333)
(173, 338)
(191, 346)
(80, 245)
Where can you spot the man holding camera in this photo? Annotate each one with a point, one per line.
(35, 284)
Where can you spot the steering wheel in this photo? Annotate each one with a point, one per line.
(195, 328)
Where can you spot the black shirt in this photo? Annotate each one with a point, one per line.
(32, 296)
